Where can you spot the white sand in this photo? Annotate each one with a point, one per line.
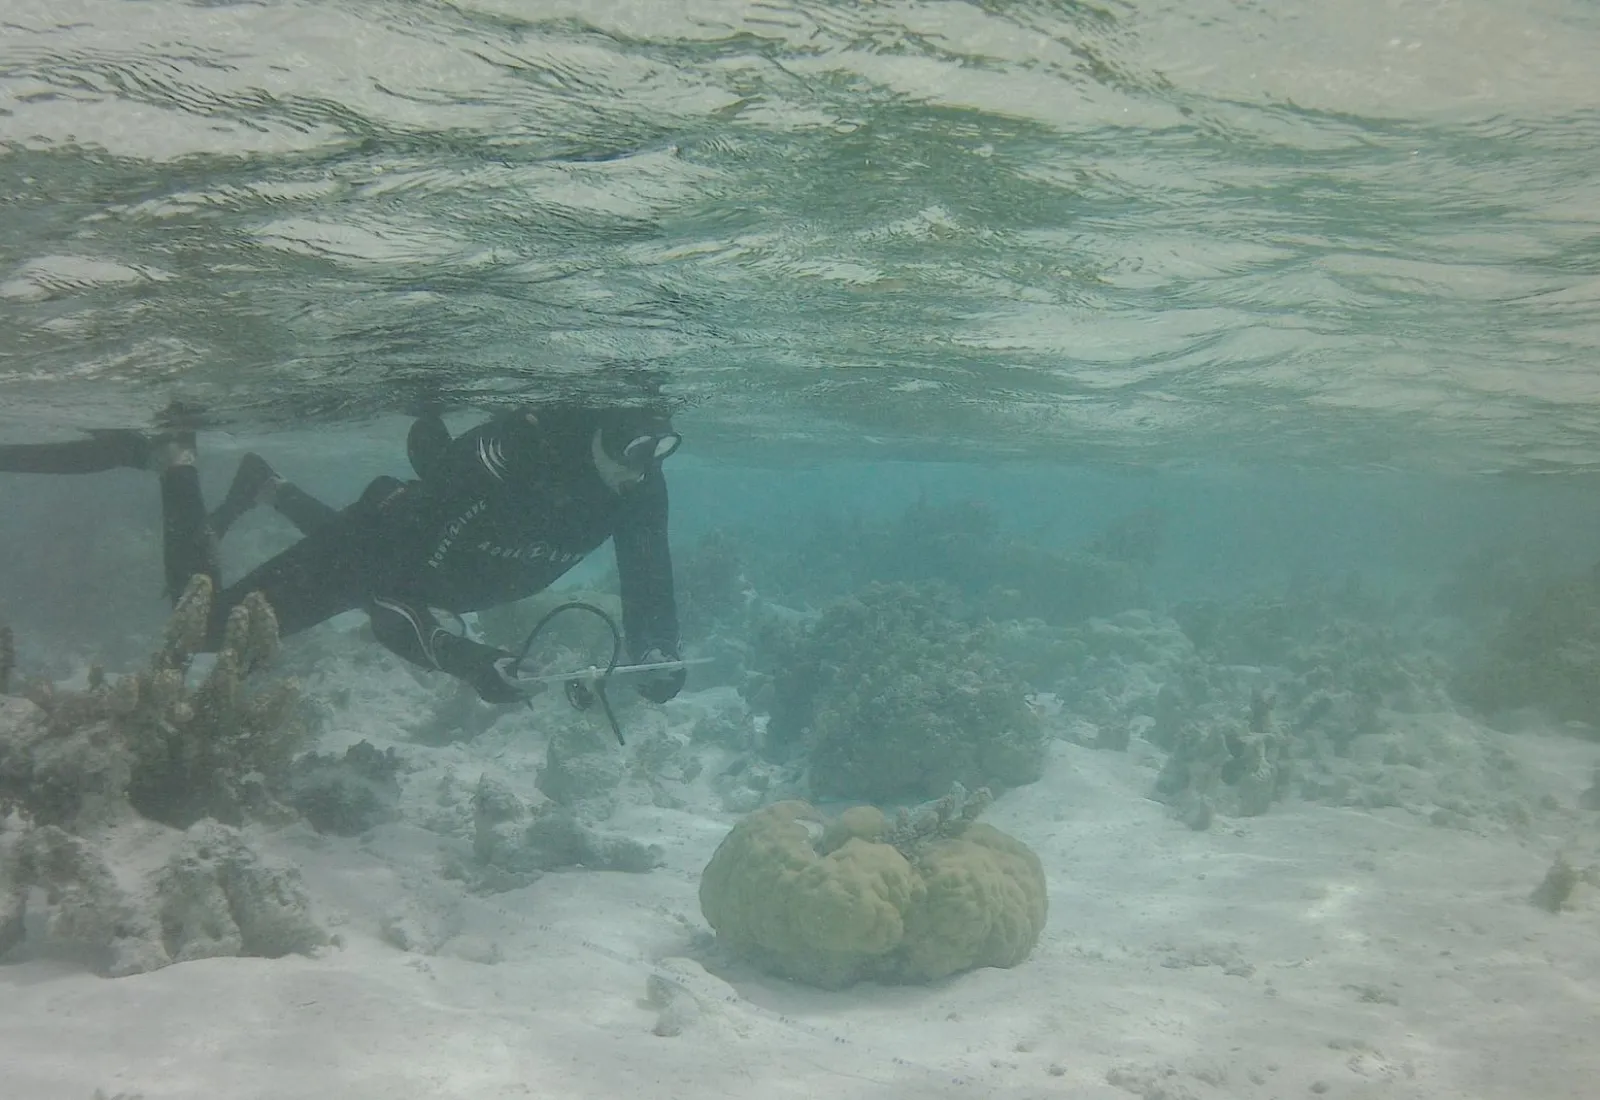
(1313, 951)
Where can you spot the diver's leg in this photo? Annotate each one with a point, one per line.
(253, 483)
(257, 483)
(300, 508)
(310, 514)
(104, 450)
(187, 544)
(333, 569)
(318, 577)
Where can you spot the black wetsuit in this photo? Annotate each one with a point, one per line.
(494, 515)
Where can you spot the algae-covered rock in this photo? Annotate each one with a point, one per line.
(88, 906)
(61, 773)
(347, 795)
(217, 897)
(75, 765)
(1555, 889)
(212, 895)
(830, 903)
(1239, 768)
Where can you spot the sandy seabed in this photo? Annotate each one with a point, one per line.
(1314, 951)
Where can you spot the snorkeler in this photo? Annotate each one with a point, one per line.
(494, 515)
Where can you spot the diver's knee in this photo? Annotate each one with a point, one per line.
(380, 491)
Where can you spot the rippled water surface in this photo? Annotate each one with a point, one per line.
(1356, 231)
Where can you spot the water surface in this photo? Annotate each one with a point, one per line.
(1350, 233)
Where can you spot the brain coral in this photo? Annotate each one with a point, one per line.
(831, 903)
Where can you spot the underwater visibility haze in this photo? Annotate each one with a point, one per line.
(1134, 542)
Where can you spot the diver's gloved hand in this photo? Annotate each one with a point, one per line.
(498, 682)
(663, 684)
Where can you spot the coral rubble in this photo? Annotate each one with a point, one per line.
(513, 843)
(1555, 889)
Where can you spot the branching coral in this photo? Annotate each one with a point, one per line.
(711, 585)
(893, 697)
(946, 817)
(1545, 654)
(834, 902)
(219, 749)
(73, 764)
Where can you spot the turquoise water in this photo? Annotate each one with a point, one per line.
(1229, 366)
(1353, 233)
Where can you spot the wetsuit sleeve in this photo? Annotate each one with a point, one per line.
(413, 633)
(644, 568)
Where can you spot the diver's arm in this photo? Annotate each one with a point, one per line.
(644, 568)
